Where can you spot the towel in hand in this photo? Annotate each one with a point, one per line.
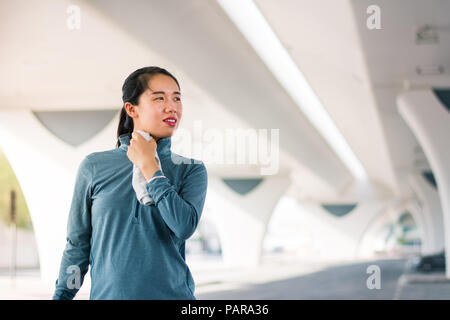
(139, 181)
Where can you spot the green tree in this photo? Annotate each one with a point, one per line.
(8, 182)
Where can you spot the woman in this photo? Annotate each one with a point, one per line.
(135, 251)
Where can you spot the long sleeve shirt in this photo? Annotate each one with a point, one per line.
(134, 251)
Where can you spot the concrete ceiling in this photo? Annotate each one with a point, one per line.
(355, 72)
(46, 66)
(322, 38)
(393, 56)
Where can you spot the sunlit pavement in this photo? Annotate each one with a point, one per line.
(274, 279)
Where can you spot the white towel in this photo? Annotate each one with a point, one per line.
(139, 182)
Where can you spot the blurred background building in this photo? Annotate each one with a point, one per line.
(324, 126)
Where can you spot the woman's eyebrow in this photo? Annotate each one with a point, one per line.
(162, 92)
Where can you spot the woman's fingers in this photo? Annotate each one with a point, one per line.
(136, 135)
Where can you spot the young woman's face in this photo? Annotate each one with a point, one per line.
(159, 104)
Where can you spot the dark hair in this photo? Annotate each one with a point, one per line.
(135, 84)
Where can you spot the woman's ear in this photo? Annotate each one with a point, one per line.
(130, 109)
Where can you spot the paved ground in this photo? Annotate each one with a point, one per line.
(277, 279)
(346, 281)
(334, 282)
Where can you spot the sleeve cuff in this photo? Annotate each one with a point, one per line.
(157, 188)
(156, 175)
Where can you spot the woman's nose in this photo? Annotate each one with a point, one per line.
(170, 106)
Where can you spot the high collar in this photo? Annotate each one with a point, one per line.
(162, 146)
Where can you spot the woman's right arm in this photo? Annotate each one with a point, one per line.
(75, 259)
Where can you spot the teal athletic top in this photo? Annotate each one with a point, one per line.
(134, 251)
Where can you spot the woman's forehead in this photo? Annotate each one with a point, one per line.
(161, 82)
(150, 92)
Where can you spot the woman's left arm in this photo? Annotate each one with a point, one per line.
(181, 212)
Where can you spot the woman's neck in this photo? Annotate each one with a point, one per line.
(156, 138)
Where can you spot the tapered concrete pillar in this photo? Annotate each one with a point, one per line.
(339, 236)
(423, 225)
(339, 224)
(242, 209)
(429, 120)
(45, 166)
(428, 215)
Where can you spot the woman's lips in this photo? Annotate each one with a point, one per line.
(171, 123)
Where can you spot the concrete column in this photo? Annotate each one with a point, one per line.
(424, 226)
(429, 214)
(341, 238)
(430, 122)
(45, 167)
(242, 220)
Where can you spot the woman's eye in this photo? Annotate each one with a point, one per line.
(162, 98)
